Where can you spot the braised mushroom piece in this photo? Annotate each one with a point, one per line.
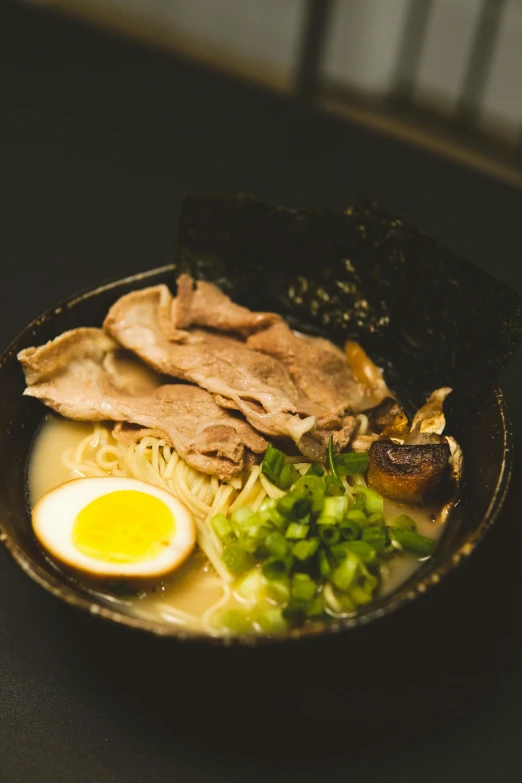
(409, 466)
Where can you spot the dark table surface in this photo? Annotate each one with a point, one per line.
(99, 139)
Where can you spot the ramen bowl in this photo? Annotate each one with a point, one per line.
(479, 424)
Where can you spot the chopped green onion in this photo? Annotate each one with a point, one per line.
(303, 587)
(255, 537)
(271, 620)
(313, 489)
(325, 568)
(222, 527)
(331, 458)
(405, 522)
(376, 520)
(329, 534)
(411, 542)
(276, 544)
(315, 470)
(236, 559)
(355, 462)
(360, 595)
(304, 550)
(272, 464)
(361, 548)
(294, 613)
(235, 621)
(358, 516)
(346, 572)
(333, 486)
(242, 517)
(376, 537)
(289, 476)
(278, 590)
(350, 530)
(315, 608)
(358, 504)
(251, 585)
(297, 530)
(373, 502)
(293, 506)
(277, 567)
(334, 508)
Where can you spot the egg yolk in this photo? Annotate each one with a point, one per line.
(124, 527)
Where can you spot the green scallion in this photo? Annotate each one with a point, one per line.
(411, 542)
(373, 502)
(358, 516)
(278, 590)
(222, 527)
(304, 550)
(276, 544)
(236, 559)
(315, 469)
(303, 587)
(325, 567)
(297, 530)
(348, 464)
(294, 613)
(331, 458)
(376, 520)
(405, 523)
(334, 508)
(376, 537)
(289, 476)
(242, 517)
(329, 534)
(235, 621)
(350, 530)
(272, 464)
(346, 572)
(313, 489)
(277, 567)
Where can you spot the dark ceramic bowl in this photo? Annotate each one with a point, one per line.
(482, 429)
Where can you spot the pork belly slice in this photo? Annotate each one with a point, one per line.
(257, 385)
(206, 305)
(318, 368)
(82, 375)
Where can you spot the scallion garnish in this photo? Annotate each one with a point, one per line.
(272, 464)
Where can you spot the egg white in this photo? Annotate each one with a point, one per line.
(54, 515)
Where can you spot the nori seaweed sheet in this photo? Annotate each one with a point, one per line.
(426, 315)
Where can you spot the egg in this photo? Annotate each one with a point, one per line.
(114, 527)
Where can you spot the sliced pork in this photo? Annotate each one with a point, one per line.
(257, 385)
(206, 305)
(81, 374)
(318, 368)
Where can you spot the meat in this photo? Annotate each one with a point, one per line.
(208, 306)
(257, 385)
(78, 375)
(318, 368)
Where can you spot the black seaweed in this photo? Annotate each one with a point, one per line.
(428, 316)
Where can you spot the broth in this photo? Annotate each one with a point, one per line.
(193, 589)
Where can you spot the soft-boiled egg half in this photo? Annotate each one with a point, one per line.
(114, 527)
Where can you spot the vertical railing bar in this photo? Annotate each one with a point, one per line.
(479, 62)
(410, 49)
(315, 28)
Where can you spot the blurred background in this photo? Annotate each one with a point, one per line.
(441, 74)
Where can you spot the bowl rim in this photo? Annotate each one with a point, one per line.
(61, 589)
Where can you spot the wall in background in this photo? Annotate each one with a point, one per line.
(365, 41)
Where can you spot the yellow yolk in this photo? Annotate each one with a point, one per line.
(126, 526)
